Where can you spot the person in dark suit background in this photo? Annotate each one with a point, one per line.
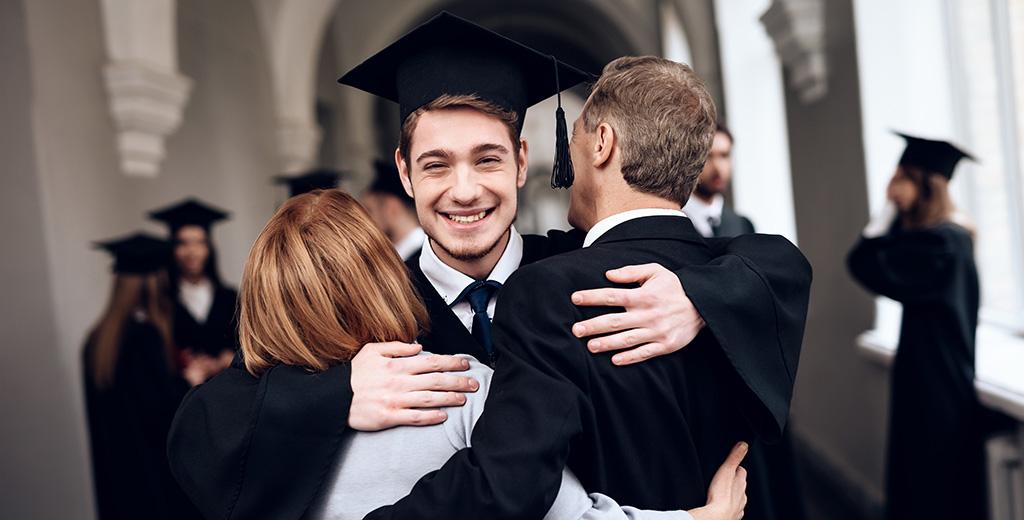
(711, 216)
(393, 210)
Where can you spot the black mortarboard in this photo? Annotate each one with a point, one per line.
(138, 253)
(189, 212)
(386, 180)
(450, 55)
(320, 179)
(932, 156)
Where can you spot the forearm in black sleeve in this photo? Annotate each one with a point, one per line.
(754, 299)
(246, 447)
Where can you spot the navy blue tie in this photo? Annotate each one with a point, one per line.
(478, 294)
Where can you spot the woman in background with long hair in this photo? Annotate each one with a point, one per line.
(919, 255)
(320, 282)
(132, 388)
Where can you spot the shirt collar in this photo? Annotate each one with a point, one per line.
(450, 282)
(412, 242)
(607, 223)
(698, 209)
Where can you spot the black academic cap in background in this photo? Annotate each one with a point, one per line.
(931, 155)
(319, 179)
(386, 180)
(138, 253)
(189, 212)
(450, 55)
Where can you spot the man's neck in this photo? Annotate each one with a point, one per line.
(477, 268)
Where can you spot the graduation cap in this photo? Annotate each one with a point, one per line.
(320, 179)
(450, 55)
(189, 212)
(138, 253)
(386, 180)
(932, 156)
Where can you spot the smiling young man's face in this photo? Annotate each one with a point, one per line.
(464, 173)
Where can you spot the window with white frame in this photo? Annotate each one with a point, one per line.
(987, 50)
(953, 69)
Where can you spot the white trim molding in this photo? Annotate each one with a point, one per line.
(798, 29)
(147, 93)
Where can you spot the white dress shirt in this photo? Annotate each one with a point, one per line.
(607, 223)
(449, 282)
(705, 215)
(197, 298)
(412, 242)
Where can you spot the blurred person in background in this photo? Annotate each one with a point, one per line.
(205, 328)
(132, 388)
(707, 208)
(318, 179)
(325, 244)
(394, 210)
(916, 253)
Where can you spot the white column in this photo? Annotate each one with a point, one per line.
(293, 31)
(147, 94)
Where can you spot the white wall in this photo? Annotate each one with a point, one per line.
(224, 152)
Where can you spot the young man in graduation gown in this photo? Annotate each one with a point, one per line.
(318, 179)
(393, 210)
(465, 192)
(707, 209)
(205, 328)
(917, 254)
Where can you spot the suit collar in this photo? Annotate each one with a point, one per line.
(657, 227)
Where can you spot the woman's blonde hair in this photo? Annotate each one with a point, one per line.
(320, 282)
(129, 293)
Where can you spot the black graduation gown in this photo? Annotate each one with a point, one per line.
(936, 452)
(774, 480)
(650, 435)
(218, 333)
(234, 466)
(128, 424)
(732, 224)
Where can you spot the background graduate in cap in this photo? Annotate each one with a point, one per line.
(319, 179)
(915, 253)
(393, 210)
(205, 328)
(132, 387)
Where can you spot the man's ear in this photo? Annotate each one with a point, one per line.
(605, 141)
(523, 163)
(403, 172)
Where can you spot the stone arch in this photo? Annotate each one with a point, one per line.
(292, 32)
